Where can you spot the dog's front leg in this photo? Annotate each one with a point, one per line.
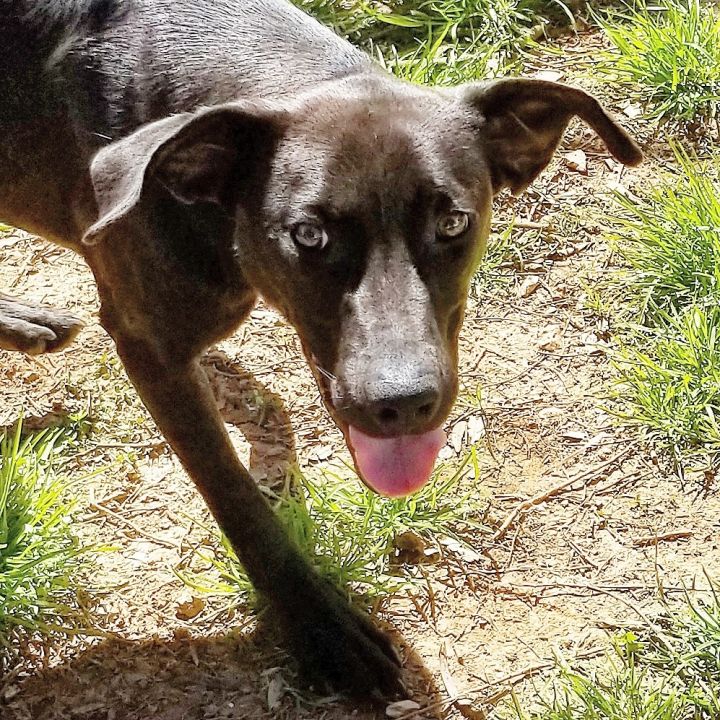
(333, 641)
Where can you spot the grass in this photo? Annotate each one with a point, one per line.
(671, 50)
(436, 60)
(401, 22)
(690, 649)
(669, 670)
(669, 364)
(671, 241)
(438, 42)
(40, 556)
(350, 534)
(618, 691)
(671, 384)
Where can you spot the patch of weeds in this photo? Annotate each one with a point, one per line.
(348, 532)
(671, 384)
(671, 49)
(437, 42)
(619, 691)
(671, 240)
(438, 60)
(39, 553)
(669, 362)
(689, 648)
(474, 24)
(666, 671)
(346, 18)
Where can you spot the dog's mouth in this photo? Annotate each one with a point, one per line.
(394, 466)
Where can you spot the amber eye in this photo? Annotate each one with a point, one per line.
(309, 235)
(453, 224)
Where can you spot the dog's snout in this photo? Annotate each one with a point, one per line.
(406, 413)
(407, 405)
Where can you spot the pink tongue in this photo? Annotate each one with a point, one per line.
(395, 466)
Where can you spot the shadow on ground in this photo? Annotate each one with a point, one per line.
(239, 674)
(187, 678)
(258, 414)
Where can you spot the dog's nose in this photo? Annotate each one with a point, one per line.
(406, 410)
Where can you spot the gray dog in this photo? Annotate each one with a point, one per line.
(200, 154)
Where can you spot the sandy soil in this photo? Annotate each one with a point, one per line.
(575, 504)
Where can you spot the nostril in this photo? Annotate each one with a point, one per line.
(405, 413)
(388, 415)
(426, 409)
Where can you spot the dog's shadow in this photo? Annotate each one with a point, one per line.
(259, 415)
(236, 675)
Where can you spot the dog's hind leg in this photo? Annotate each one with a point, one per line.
(35, 329)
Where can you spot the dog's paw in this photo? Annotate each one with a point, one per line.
(34, 329)
(340, 649)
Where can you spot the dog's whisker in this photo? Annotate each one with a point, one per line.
(325, 373)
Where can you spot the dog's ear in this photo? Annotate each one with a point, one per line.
(522, 122)
(201, 157)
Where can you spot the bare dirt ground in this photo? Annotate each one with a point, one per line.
(583, 521)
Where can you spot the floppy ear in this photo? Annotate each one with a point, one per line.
(201, 157)
(523, 120)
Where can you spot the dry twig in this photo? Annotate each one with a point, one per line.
(665, 537)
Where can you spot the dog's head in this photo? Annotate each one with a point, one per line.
(361, 210)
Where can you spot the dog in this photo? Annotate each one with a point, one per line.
(200, 154)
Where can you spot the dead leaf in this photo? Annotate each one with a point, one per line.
(468, 710)
(462, 550)
(550, 342)
(551, 345)
(611, 164)
(190, 609)
(410, 548)
(275, 692)
(575, 435)
(475, 429)
(448, 680)
(457, 435)
(528, 286)
(323, 452)
(632, 110)
(400, 708)
(616, 186)
(577, 161)
(550, 75)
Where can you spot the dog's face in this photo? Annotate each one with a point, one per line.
(361, 211)
(375, 213)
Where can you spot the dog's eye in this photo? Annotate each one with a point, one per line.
(309, 235)
(453, 224)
